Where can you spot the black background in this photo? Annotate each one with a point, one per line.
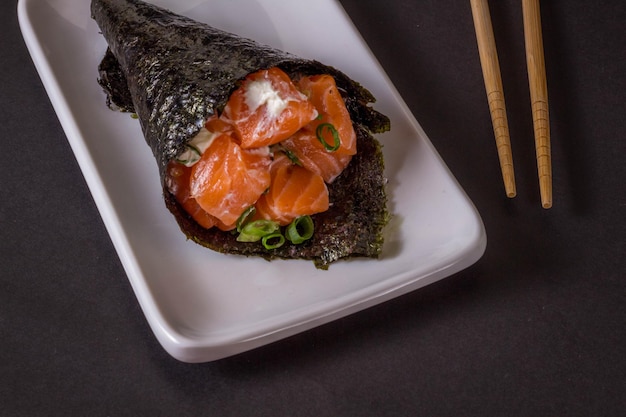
(536, 327)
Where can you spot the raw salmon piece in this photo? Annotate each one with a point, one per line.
(323, 93)
(265, 211)
(312, 155)
(294, 192)
(307, 146)
(177, 180)
(227, 179)
(267, 108)
(216, 124)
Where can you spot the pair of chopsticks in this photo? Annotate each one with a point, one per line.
(538, 94)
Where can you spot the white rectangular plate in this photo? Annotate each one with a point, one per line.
(202, 305)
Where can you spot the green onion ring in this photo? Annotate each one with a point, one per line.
(265, 240)
(300, 230)
(319, 132)
(241, 221)
(256, 230)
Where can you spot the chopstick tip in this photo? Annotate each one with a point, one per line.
(508, 178)
(545, 190)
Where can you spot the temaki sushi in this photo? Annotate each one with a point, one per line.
(260, 152)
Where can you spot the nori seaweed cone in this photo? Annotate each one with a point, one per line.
(175, 73)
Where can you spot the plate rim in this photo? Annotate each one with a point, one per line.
(202, 349)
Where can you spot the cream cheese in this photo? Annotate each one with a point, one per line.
(196, 147)
(262, 92)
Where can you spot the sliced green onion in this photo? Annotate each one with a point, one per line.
(273, 241)
(300, 230)
(247, 213)
(319, 132)
(256, 230)
(292, 157)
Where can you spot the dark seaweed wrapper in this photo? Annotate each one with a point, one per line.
(174, 73)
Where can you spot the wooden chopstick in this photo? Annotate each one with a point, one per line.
(538, 97)
(495, 95)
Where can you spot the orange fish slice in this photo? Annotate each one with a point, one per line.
(314, 145)
(323, 93)
(218, 125)
(227, 179)
(267, 108)
(294, 192)
(312, 155)
(178, 183)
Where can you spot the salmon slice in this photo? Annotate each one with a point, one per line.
(178, 183)
(227, 179)
(310, 144)
(216, 124)
(294, 192)
(267, 109)
(312, 155)
(323, 93)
